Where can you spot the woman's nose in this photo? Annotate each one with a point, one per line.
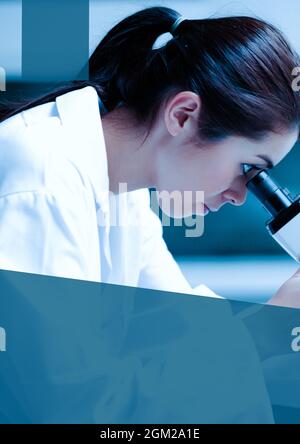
(237, 193)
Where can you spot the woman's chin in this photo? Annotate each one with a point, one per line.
(196, 209)
(199, 209)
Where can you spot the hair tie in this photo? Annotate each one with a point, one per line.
(164, 38)
(177, 23)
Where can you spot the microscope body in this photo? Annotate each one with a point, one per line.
(285, 229)
(284, 226)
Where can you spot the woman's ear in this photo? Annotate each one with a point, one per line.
(182, 112)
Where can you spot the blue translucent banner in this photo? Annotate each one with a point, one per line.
(55, 40)
(76, 351)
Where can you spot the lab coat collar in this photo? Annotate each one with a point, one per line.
(79, 110)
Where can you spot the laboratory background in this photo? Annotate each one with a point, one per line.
(235, 255)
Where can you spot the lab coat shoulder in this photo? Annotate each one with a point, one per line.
(46, 194)
(22, 161)
(54, 145)
(32, 157)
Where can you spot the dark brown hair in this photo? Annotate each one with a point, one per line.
(240, 66)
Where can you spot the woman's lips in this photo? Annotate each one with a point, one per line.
(204, 209)
(212, 210)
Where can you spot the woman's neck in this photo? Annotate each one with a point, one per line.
(130, 159)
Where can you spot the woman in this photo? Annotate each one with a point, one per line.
(186, 116)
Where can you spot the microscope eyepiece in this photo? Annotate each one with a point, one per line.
(268, 192)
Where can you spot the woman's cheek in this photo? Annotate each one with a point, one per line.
(221, 180)
(213, 185)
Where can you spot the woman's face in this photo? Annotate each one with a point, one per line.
(216, 169)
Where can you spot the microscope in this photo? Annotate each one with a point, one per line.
(284, 210)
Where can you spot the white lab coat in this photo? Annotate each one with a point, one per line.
(55, 207)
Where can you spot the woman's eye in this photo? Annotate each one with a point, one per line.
(246, 167)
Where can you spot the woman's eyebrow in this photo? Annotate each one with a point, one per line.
(268, 161)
